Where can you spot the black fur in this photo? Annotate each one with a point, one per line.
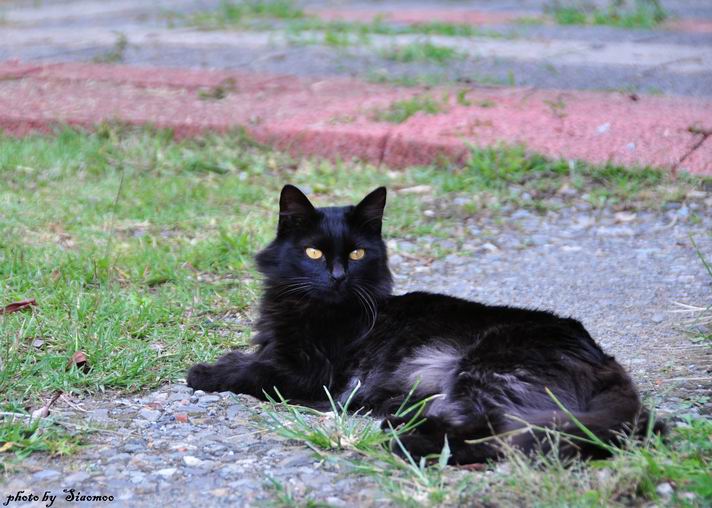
(333, 323)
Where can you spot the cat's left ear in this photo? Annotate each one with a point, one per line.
(295, 209)
(369, 212)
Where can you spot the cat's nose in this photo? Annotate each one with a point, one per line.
(338, 274)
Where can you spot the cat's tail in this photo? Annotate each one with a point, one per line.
(594, 434)
(612, 419)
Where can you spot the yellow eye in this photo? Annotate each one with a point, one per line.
(357, 254)
(314, 253)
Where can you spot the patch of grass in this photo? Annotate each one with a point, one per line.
(341, 430)
(569, 15)
(488, 80)
(631, 477)
(237, 14)
(408, 80)
(462, 99)
(530, 20)
(421, 52)
(557, 107)
(620, 13)
(138, 250)
(380, 26)
(295, 21)
(20, 437)
(219, 91)
(450, 30)
(402, 110)
(117, 51)
(497, 175)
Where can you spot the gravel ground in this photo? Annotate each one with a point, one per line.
(620, 273)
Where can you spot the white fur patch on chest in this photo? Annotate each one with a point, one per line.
(430, 366)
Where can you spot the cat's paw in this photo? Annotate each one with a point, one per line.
(202, 377)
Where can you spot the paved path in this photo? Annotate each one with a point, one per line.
(326, 106)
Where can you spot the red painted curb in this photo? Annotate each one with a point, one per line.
(689, 25)
(12, 69)
(334, 117)
(701, 157)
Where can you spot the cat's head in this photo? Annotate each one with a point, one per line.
(330, 254)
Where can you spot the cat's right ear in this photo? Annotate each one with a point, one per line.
(369, 211)
(295, 209)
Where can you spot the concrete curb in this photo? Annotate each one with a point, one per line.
(334, 118)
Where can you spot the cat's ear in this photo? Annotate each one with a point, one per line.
(294, 208)
(369, 212)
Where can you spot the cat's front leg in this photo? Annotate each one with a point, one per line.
(230, 373)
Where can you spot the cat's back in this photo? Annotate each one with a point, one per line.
(420, 317)
(423, 307)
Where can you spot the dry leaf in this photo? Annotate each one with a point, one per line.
(80, 360)
(6, 446)
(18, 306)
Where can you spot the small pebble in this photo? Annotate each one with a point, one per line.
(208, 399)
(149, 414)
(47, 474)
(192, 461)
(664, 489)
(167, 472)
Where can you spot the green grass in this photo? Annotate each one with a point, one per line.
(401, 110)
(631, 477)
(332, 37)
(230, 13)
(294, 21)
(22, 437)
(116, 53)
(385, 77)
(421, 52)
(619, 13)
(137, 247)
(504, 174)
(431, 79)
(382, 27)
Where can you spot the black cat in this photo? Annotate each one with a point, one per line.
(328, 319)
